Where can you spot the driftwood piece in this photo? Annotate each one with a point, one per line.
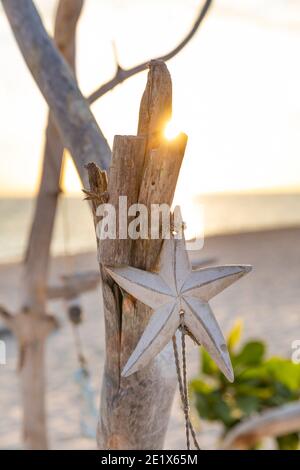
(74, 285)
(81, 136)
(130, 417)
(124, 179)
(31, 361)
(38, 248)
(275, 422)
(34, 283)
(160, 176)
(156, 104)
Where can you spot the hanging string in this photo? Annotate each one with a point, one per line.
(182, 382)
(75, 317)
(185, 392)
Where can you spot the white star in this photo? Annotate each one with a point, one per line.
(173, 289)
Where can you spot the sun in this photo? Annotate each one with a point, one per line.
(171, 130)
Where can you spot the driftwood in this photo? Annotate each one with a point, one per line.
(76, 124)
(72, 121)
(73, 285)
(276, 422)
(32, 367)
(38, 249)
(31, 326)
(130, 417)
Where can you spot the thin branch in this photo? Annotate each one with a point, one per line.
(122, 74)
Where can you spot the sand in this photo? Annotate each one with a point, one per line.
(267, 300)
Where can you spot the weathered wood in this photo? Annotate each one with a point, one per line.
(274, 422)
(160, 176)
(32, 376)
(156, 104)
(31, 330)
(82, 137)
(74, 285)
(34, 282)
(78, 128)
(37, 256)
(130, 417)
(124, 179)
(38, 249)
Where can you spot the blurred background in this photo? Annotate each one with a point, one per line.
(236, 95)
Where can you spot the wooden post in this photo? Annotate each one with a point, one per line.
(82, 136)
(135, 410)
(34, 285)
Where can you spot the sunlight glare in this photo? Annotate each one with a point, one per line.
(171, 130)
(71, 183)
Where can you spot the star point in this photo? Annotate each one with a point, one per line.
(175, 288)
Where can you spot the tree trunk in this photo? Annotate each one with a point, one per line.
(135, 410)
(38, 249)
(32, 376)
(32, 368)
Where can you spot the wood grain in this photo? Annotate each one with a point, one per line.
(129, 416)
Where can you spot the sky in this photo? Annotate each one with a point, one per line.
(236, 90)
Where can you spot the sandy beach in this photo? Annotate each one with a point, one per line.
(267, 300)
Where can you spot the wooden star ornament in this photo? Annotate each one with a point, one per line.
(175, 290)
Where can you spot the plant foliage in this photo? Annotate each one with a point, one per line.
(260, 384)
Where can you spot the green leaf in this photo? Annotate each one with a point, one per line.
(288, 442)
(251, 354)
(281, 395)
(284, 371)
(248, 404)
(257, 374)
(208, 365)
(262, 392)
(205, 408)
(223, 412)
(260, 384)
(199, 386)
(234, 336)
(213, 407)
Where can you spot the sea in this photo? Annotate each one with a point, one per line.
(74, 231)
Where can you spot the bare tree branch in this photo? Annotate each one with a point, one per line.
(67, 16)
(36, 267)
(77, 126)
(122, 74)
(33, 326)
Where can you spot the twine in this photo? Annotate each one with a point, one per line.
(182, 382)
